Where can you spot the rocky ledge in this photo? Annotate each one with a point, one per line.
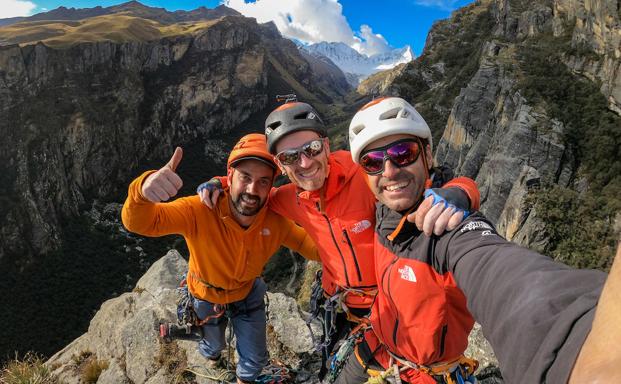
(122, 344)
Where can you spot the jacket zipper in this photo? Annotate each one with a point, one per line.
(353, 254)
(442, 339)
(335, 244)
(389, 296)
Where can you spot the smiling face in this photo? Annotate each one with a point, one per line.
(250, 181)
(399, 188)
(308, 173)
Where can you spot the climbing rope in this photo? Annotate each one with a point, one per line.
(219, 375)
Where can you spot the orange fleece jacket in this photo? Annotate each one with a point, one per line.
(225, 258)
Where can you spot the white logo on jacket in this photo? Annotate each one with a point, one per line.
(407, 273)
(361, 226)
(474, 225)
(266, 232)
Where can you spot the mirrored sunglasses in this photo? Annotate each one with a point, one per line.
(401, 152)
(292, 155)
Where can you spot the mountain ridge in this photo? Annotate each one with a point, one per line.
(355, 65)
(133, 8)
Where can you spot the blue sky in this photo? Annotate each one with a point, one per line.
(370, 26)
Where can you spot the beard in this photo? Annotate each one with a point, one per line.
(243, 209)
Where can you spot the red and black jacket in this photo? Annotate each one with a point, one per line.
(535, 312)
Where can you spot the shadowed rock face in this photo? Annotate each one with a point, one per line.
(77, 123)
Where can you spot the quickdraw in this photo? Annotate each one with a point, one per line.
(458, 371)
(340, 357)
(331, 306)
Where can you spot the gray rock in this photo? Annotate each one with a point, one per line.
(166, 276)
(124, 332)
(114, 374)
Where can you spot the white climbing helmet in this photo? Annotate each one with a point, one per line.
(383, 117)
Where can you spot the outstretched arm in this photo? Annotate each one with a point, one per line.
(535, 312)
(599, 360)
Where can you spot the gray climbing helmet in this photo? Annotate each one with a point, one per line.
(292, 117)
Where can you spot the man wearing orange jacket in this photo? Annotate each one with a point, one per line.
(329, 197)
(229, 245)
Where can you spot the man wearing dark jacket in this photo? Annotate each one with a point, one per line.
(535, 312)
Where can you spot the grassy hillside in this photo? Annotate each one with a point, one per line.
(117, 28)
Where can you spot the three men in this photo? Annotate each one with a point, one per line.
(229, 246)
(535, 312)
(329, 197)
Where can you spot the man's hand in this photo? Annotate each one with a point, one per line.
(440, 211)
(165, 183)
(209, 192)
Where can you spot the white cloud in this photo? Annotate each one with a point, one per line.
(312, 21)
(13, 8)
(446, 5)
(371, 43)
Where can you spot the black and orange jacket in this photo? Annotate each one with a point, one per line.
(535, 312)
(225, 258)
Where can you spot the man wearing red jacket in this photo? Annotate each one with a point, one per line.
(329, 197)
(535, 312)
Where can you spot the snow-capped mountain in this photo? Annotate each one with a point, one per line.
(355, 65)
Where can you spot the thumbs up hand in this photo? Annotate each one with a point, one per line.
(165, 183)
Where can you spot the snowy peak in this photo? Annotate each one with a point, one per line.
(356, 65)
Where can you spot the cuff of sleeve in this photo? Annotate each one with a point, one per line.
(136, 187)
(471, 189)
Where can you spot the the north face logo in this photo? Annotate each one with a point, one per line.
(361, 226)
(407, 273)
(266, 232)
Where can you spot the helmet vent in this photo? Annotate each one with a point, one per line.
(357, 129)
(301, 116)
(390, 114)
(275, 125)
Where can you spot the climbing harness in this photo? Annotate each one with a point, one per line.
(331, 306)
(327, 309)
(189, 327)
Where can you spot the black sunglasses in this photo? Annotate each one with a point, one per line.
(292, 155)
(401, 152)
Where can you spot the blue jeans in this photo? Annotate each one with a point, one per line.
(249, 327)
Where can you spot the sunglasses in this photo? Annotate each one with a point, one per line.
(401, 152)
(292, 155)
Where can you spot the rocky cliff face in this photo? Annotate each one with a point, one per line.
(510, 89)
(596, 35)
(80, 121)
